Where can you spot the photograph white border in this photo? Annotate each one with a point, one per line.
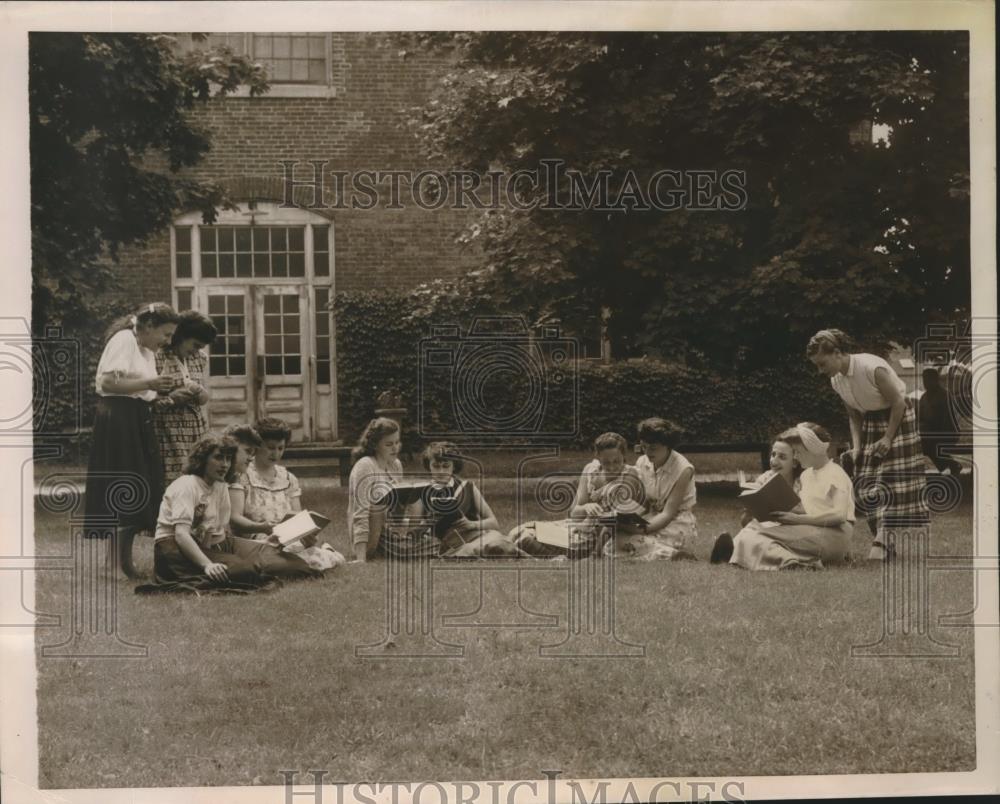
(18, 737)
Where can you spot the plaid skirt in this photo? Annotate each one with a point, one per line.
(891, 488)
(178, 429)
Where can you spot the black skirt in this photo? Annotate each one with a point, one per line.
(124, 472)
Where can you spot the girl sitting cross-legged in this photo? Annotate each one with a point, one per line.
(668, 484)
(818, 532)
(461, 519)
(192, 551)
(266, 493)
(604, 482)
(377, 467)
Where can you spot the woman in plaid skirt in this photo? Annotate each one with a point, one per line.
(177, 414)
(889, 479)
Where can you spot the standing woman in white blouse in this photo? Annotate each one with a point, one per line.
(125, 472)
(888, 460)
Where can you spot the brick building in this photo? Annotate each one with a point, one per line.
(265, 274)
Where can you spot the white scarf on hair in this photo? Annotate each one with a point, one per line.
(812, 442)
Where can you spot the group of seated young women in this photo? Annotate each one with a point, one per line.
(458, 522)
(214, 528)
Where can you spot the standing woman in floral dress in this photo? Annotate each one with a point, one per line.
(889, 474)
(178, 415)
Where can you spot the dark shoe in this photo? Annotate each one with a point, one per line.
(722, 550)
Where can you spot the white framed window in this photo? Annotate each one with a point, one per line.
(298, 64)
(271, 244)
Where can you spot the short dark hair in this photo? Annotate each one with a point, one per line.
(244, 434)
(930, 376)
(443, 449)
(610, 441)
(272, 429)
(197, 459)
(656, 430)
(192, 324)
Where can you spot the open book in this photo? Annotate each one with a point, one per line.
(404, 492)
(774, 495)
(629, 518)
(303, 524)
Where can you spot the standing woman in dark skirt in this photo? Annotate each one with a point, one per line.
(178, 415)
(125, 471)
(888, 460)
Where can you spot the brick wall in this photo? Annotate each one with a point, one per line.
(361, 128)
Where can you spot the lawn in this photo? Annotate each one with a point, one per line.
(740, 674)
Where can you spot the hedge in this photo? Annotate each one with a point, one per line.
(383, 337)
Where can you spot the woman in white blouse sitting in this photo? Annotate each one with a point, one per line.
(125, 471)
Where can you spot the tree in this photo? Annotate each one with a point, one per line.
(111, 134)
(834, 232)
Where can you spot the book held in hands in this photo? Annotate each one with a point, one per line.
(298, 527)
(774, 495)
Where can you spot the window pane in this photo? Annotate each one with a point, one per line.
(300, 70)
(296, 238)
(282, 46)
(292, 345)
(272, 344)
(279, 238)
(323, 373)
(321, 238)
(243, 239)
(226, 266)
(261, 240)
(234, 325)
(317, 47)
(226, 239)
(272, 304)
(300, 46)
(207, 239)
(262, 45)
(184, 299)
(244, 266)
(296, 264)
(291, 324)
(291, 304)
(272, 365)
(281, 71)
(261, 265)
(183, 238)
(237, 366)
(216, 305)
(184, 266)
(237, 345)
(217, 366)
(323, 347)
(293, 365)
(321, 264)
(235, 304)
(279, 265)
(208, 265)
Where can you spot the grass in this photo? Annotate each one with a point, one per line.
(743, 674)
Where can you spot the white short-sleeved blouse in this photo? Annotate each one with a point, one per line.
(204, 508)
(827, 490)
(124, 354)
(857, 387)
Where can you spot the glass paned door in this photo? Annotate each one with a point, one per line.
(282, 380)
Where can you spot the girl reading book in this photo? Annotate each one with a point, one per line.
(606, 482)
(266, 493)
(461, 520)
(377, 467)
(668, 485)
(784, 463)
(816, 533)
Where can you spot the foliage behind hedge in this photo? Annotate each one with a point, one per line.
(379, 343)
